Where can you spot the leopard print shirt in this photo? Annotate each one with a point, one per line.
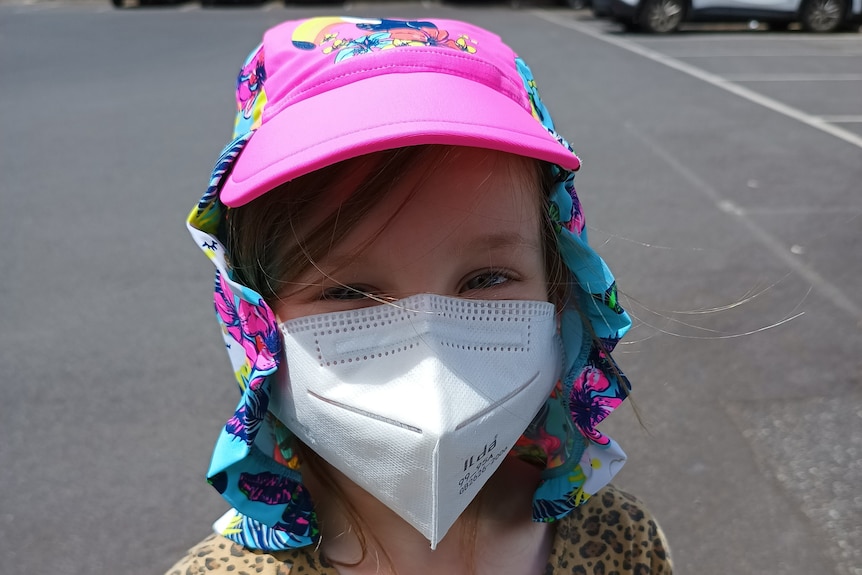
(612, 533)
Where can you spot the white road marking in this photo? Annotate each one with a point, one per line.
(832, 39)
(842, 119)
(793, 77)
(764, 54)
(709, 78)
(784, 253)
(770, 242)
(801, 211)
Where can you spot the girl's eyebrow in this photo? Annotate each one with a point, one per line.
(491, 242)
(500, 240)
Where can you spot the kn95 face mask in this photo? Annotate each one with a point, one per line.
(418, 401)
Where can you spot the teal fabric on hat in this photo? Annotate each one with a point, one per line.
(253, 464)
(273, 510)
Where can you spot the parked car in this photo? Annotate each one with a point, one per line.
(663, 16)
(601, 8)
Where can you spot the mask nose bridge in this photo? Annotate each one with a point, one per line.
(484, 331)
(446, 329)
(442, 333)
(459, 339)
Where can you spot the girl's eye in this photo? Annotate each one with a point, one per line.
(486, 280)
(344, 293)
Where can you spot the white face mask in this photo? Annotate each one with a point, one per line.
(419, 401)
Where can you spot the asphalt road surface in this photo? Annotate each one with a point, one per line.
(721, 179)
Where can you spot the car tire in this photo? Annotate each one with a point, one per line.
(822, 16)
(117, 3)
(661, 16)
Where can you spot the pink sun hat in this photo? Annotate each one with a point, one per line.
(327, 89)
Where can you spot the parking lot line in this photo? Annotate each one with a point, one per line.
(713, 79)
(769, 241)
(854, 211)
(833, 39)
(842, 119)
(793, 78)
(744, 53)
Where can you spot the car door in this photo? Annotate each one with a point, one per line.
(746, 5)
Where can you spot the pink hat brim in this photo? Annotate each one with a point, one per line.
(384, 112)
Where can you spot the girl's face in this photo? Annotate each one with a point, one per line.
(468, 228)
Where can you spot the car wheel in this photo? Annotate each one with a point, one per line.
(661, 16)
(117, 3)
(822, 15)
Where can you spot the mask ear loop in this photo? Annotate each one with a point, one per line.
(272, 509)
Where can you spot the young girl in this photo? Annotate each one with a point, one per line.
(420, 332)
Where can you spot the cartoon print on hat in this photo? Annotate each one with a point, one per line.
(253, 464)
(250, 97)
(349, 37)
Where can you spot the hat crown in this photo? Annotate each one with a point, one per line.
(324, 90)
(307, 57)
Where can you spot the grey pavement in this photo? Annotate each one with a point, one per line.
(721, 181)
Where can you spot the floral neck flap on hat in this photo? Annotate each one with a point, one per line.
(254, 465)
